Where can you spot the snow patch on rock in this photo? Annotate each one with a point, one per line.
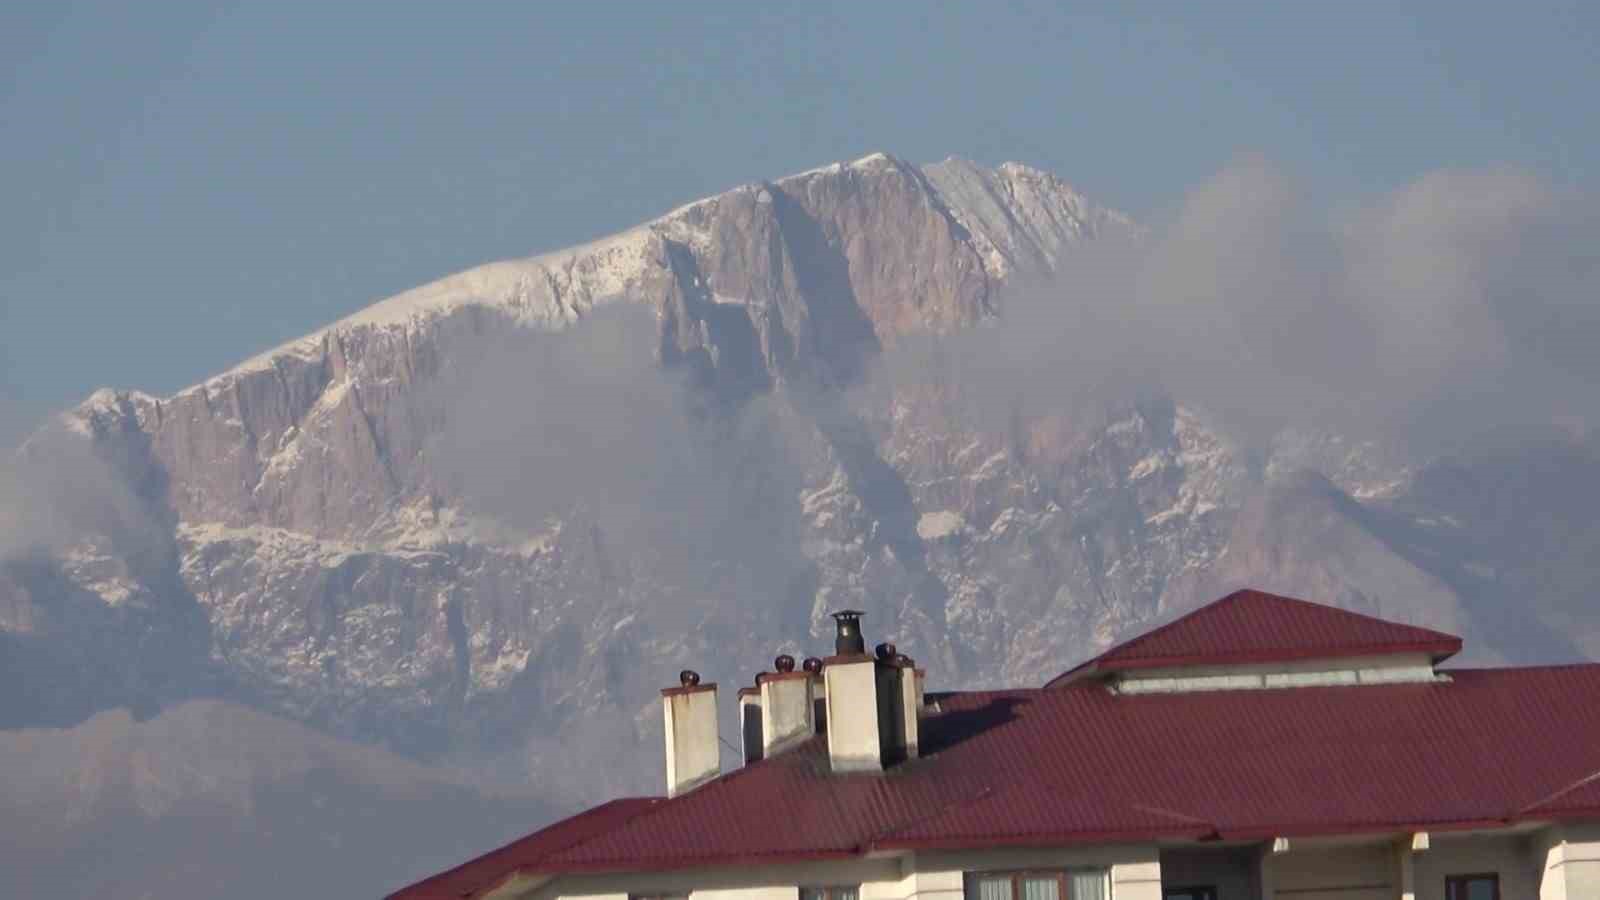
(941, 524)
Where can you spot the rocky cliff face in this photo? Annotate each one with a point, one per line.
(353, 536)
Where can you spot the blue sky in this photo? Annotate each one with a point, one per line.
(186, 185)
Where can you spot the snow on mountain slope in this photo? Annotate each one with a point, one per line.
(1021, 218)
(1019, 213)
(394, 530)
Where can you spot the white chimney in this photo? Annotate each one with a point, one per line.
(855, 740)
(897, 704)
(819, 693)
(870, 724)
(787, 714)
(750, 729)
(690, 714)
(910, 706)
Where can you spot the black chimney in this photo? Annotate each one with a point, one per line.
(847, 640)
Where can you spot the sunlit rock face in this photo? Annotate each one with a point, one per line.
(483, 520)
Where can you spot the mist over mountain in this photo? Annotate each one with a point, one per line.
(210, 799)
(478, 524)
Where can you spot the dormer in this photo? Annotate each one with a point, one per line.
(1251, 640)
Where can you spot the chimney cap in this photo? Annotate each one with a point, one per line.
(813, 665)
(886, 651)
(847, 639)
(784, 663)
(689, 678)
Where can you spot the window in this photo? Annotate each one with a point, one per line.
(1472, 887)
(830, 893)
(1079, 884)
(1205, 892)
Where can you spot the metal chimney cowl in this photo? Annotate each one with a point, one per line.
(847, 639)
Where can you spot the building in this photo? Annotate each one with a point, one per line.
(1260, 747)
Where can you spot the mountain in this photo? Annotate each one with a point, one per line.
(209, 799)
(481, 522)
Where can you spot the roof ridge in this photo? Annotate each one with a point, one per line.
(1402, 636)
(1138, 639)
(1327, 608)
(1143, 636)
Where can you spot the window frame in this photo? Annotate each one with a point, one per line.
(827, 891)
(1062, 877)
(1456, 887)
(1193, 890)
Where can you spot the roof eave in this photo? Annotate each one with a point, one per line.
(1259, 833)
(693, 862)
(1053, 839)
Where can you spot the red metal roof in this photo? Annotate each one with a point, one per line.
(1254, 626)
(1081, 764)
(477, 876)
(1580, 798)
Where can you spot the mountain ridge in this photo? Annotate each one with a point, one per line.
(505, 282)
(480, 522)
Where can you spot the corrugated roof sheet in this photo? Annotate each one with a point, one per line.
(477, 876)
(1253, 626)
(1582, 797)
(1082, 764)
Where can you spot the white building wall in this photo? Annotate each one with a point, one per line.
(725, 883)
(778, 892)
(1134, 870)
(1230, 870)
(943, 885)
(903, 887)
(1401, 668)
(1367, 872)
(1134, 874)
(1138, 879)
(1549, 851)
(1571, 857)
(1555, 864)
(1512, 857)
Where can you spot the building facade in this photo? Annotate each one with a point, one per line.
(1259, 748)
